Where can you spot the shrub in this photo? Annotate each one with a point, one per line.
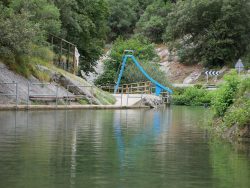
(224, 96)
(239, 112)
(192, 96)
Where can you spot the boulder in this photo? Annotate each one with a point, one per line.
(152, 101)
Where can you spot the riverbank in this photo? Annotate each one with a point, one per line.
(230, 105)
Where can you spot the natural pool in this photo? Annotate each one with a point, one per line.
(117, 148)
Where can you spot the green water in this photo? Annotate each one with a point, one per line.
(117, 148)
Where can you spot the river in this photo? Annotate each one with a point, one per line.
(117, 148)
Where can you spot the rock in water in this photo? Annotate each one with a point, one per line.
(152, 101)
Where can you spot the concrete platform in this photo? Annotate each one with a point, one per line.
(65, 107)
(128, 99)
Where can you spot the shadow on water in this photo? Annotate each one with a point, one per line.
(117, 148)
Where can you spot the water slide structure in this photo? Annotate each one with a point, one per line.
(158, 87)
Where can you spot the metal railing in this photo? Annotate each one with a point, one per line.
(139, 97)
(54, 94)
(120, 95)
(11, 94)
(132, 88)
(44, 96)
(65, 51)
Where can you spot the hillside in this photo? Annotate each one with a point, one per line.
(179, 73)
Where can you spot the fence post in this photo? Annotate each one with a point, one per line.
(121, 98)
(67, 103)
(91, 95)
(56, 94)
(16, 94)
(127, 98)
(141, 99)
(28, 95)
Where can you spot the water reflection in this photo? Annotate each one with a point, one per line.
(116, 148)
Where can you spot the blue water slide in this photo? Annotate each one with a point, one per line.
(158, 87)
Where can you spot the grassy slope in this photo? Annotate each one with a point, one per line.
(104, 97)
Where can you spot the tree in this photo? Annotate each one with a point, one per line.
(84, 23)
(153, 22)
(42, 12)
(17, 34)
(124, 15)
(213, 32)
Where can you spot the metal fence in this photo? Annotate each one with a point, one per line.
(69, 95)
(132, 88)
(53, 96)
(133, 96)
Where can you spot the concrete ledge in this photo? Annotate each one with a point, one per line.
(65, 107)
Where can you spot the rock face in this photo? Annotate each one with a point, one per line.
(177, 72)
(192, 77)
(99, 68)
(234, 133)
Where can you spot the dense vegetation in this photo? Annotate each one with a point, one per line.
(230, 103)
(212, 32)
(144, 52)
(192, 96)
(24, 24)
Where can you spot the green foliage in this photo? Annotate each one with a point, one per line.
(27, 64)
(85, 23)
(104, 97)
(238, 115)
(17, 34)
(43, 12)
(246, 60)
(83, 101)
(142, 47)
(153, 22)
(213, 32)
(123, 16)
(239, 112)
(144, 51)
(192, 96)
(224, 96)
(23, 26)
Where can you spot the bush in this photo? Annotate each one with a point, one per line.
(239, 112)
(224, 96)
(192, 96)
(17, 34)
(26, 65)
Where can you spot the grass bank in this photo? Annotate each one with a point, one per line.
(230, 105)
